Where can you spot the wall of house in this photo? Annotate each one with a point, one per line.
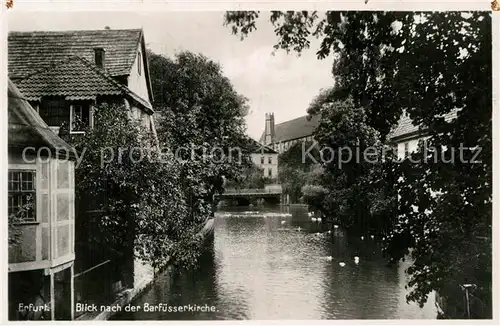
(49, 240)
(412, 146)
(256, 159)
(144, 118)
(137, 82)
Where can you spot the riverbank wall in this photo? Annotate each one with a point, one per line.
(144, 277)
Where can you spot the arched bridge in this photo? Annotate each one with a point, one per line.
(246, 196)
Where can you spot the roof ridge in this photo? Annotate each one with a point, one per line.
(301, 117)
(74, 30)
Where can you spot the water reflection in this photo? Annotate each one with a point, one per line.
(274, 264)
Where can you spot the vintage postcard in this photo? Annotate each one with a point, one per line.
(250, 165)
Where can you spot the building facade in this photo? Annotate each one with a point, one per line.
(266, 159)
(282, 136)
(41, 197)
(65, 76)
(406, 135)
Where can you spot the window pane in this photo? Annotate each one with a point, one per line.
(62, 207)
(81, 117)
(44, 178)
(54, 112)
(44, 208)
(22, 197)
(62, 175)
(63, 240)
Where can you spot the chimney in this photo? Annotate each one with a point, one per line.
(269, 129)
(100, 57)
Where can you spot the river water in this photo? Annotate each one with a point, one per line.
(273, 263)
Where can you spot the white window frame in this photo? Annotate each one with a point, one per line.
(72, 108)
(33, 171)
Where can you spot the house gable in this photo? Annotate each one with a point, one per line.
(138, 80)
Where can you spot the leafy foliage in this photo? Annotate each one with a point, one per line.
(202, 118)
(294, 167)
(428, 64)
(136, 189)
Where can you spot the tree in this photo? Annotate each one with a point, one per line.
(428, 64)
(294, 166)
(203, 120)
(124, 176)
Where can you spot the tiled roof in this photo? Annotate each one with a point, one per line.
(295, 128)
(27, 128)
(31, 51)
(76, 79)
(406, 127)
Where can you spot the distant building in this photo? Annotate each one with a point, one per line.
(406, 135)
(282, 136)
(265, 158)
(41, 197)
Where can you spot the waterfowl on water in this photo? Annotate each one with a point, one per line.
(362, 238)
(336, 226)
(318, 219)
(342, 264)
(329, 258)
(310, 214)
(356, 259)
(372, 236)
(329, 231)
(313, 219)
(283, 222)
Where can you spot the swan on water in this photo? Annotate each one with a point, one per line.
(318, 219)
(362, 238)
(329, 258)
(283, 222)
(313, 219)
(310, 214)
(342, 264)
(356, 259)
(372, 236)
(336, 226)
(329, 231)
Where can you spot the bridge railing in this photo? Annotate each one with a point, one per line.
(252, 191)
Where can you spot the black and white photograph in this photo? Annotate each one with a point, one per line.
(250, 165)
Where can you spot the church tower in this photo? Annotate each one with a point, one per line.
(269, 129)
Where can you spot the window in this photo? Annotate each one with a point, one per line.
(22, 195)
(54, 112)
(139, 62)
(269, 172)
(407, 150)
(79, 117)
(270, 160)
(262, 160)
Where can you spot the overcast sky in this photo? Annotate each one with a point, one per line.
(284, 84)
